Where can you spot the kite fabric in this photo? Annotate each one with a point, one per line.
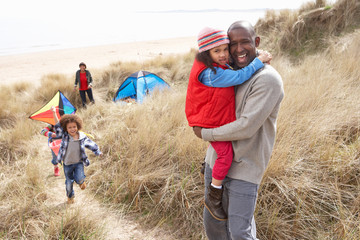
(62, 105)
(55, 146)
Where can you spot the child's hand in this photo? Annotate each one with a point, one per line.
(264, 56)
(53, 109)
(53, 135)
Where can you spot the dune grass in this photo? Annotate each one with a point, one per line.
(305, 31)
(315, 165)
(151, 162)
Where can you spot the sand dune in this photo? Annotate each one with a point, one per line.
(31, 66)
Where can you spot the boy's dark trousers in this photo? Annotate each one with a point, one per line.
(83, 96)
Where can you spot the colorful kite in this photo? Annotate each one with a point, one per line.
(55, 146)
(62, 105)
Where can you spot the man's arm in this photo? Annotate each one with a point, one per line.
(90, 80)
(264, 97)
(197, 131)
(76, 80)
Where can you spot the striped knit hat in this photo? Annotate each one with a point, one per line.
(209, 38)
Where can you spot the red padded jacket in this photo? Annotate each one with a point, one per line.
(208, 107)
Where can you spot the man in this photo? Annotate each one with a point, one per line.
(84, 79)
(253, 135)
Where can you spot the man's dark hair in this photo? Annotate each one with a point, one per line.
(242, 24)
(205, 58)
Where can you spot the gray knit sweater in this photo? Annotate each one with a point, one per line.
(253, 133)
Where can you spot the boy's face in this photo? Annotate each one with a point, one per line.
(72, 129)
(220, 54)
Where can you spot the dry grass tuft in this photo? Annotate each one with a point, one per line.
(310, 190)
(50, 84)
(75, 224)
(12, 140)
(348, 132)
(308, 29)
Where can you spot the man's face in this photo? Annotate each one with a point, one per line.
(242, 46)
(82, 68)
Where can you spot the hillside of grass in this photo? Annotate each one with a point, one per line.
(151, 164)
(310, 29)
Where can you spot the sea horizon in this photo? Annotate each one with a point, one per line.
(147, 26)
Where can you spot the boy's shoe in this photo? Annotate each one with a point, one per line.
(83, 185)
(56, 171)
(213, 202)
(71, 200)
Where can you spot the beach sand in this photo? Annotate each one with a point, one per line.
(30, 67)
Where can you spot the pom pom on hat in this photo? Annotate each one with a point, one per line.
(209, 38)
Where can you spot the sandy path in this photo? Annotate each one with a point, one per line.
(31, 67)
(115, 223)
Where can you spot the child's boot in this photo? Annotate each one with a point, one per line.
(213, 202)
(83, 185)
(70, 200)
(56, 171)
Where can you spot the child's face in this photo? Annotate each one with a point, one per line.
(72, 129)
(220, 54)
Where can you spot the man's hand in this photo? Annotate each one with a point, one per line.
(197, 131)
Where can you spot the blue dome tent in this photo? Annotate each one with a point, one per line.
(138, 85)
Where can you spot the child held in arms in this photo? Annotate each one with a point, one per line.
(72, 151)
(210, 102)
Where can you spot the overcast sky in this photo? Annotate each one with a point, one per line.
(71, 23)
(35, 9)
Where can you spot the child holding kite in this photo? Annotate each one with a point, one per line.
(72, 151)
(48, 131)
(210, 102)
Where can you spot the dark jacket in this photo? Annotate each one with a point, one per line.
(88, 77)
